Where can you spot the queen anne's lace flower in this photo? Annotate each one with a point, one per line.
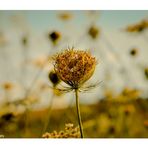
(74, 67)
(69, 132)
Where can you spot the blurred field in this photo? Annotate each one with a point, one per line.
(125, 115)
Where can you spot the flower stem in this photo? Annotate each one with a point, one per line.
(78, 113)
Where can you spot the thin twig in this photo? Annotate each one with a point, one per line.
(47, 121)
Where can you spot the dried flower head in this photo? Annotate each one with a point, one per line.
(93, 32)
(134, 51)
(139, 27)
(53, 77)
(65, 16)
(74, 67)
(7, 85)
(54, 36)
(69, 132)
(135, 28)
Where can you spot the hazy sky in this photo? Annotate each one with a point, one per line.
(13, 23)
(41, 19)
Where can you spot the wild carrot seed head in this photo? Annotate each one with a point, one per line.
(70, 131)
(74, 67)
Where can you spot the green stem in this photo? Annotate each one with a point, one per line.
(78, 113)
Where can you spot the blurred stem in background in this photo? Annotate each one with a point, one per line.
(54, 38)
(6, 72)
(111, 50)
(94, 32)
(33, 83)
(53, 78)
(3, 52)
(7, 87)
(28, 91)
(47, 119)
(25, 56)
